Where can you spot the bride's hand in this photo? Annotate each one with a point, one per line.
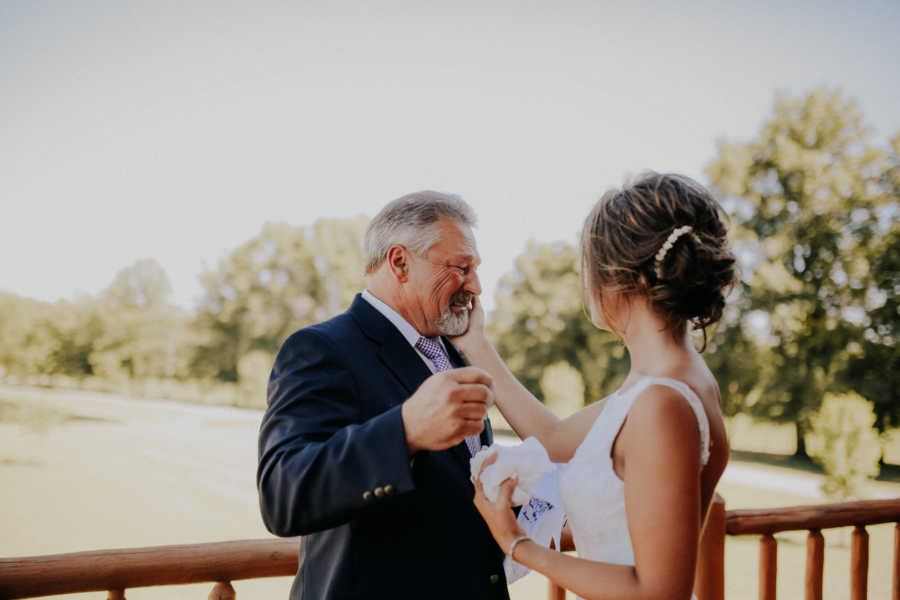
(474, 335)
(498, 515)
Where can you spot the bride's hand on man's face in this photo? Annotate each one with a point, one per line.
(498, 515)
(475, 333)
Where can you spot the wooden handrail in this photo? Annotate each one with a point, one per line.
(858, 515)
(820, 516)
(709, 578)
(116, 570)
(120, 569)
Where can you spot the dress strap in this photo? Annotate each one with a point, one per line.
(695, 403)
(613, 417)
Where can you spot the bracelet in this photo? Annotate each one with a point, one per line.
(515, 542)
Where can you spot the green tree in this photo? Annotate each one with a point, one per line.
(253, 373)
(141, 285)
(844, 441)
(873, 365)
(28, 343)
(807, 196)
(562, 388)
(285, 278)
(144, 336)
(143, 343)
(738, 358)
(74, 328)
(540, 320)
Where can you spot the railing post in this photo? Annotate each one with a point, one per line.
(896, 592)
(859, 563)
(223, 590)
(815, 563)
(556, 592)
(768, 566)
(709, 578)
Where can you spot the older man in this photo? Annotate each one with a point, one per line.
(372, 418)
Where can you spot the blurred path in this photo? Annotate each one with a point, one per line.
(195, 437)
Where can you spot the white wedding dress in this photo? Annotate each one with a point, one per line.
(591, 494)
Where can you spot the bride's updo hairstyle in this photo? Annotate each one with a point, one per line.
(660, 236)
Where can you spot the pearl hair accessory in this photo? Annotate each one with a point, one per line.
(667, 245)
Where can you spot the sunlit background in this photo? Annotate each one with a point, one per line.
(183, 184)
(174, 130)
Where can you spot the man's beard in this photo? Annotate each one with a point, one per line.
(452, 323)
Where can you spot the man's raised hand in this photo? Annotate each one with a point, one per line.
(448, 407)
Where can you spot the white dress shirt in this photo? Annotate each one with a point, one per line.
(408, 331)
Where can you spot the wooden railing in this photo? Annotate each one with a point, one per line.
(813, 519)
(115, 571)
(709, 580)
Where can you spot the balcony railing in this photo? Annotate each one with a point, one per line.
(709, 580)
(118, 570)
(115, 571)
(813, 519)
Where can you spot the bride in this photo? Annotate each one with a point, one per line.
(643, 465)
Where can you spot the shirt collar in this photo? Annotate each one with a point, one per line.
(408, 331)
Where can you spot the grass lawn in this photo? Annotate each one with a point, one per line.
(775, 443)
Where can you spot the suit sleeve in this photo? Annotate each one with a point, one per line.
(316, 457)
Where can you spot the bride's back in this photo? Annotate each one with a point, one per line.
(702, 382)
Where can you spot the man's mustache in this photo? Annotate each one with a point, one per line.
(463, 298)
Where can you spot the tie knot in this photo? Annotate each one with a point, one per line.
(434, 352)
(429, 347)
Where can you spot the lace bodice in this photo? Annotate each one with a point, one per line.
(592, 494)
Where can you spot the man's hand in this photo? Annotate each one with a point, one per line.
(447, 408)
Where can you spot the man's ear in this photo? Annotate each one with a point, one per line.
(398, 262)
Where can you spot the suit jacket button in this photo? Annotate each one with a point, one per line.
(379, 492)
(495, 578)
(389, 490)
(367, 496)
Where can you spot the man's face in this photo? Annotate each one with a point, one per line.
(444, 280)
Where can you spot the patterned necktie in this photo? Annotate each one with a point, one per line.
(434, 352)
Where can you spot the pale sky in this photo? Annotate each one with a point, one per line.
(174, 130)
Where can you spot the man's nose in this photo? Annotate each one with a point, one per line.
(473, 285)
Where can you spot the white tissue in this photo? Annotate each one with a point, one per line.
(528, 461)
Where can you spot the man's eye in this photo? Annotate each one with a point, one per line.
(463, 270)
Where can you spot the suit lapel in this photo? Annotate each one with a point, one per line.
(401, 359)
(394, 352)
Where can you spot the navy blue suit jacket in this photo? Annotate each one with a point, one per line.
(334, 468)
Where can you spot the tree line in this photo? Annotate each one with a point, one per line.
(814, 210)
(813, 204)
(284, 278)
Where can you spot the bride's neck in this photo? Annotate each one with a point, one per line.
(652, 347)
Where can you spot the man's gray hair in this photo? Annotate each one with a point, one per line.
(408, 221)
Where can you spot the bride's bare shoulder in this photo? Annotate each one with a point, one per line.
(660, 436)
(659, 406)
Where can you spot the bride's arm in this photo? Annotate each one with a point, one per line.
(524, 413)
(662, 494)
